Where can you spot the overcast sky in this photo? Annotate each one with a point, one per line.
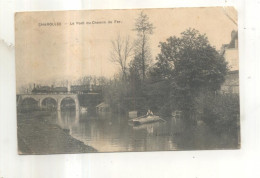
(71, 51)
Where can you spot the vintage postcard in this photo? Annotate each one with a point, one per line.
(127, 80)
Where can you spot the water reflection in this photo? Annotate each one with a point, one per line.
(108, 132)
(67, 119)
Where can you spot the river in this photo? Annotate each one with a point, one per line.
(109, 133)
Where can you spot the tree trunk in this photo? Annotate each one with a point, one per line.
(143, 57)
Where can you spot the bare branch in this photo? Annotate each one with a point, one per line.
(121, 52)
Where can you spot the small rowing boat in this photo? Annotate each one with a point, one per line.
(145, 119)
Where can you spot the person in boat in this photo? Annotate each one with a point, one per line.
(149, 113)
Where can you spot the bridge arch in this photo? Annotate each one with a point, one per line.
(29, 98)
(49, 103)
(29, 103)
(69, 104)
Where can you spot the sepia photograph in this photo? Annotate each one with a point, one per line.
(131, 80)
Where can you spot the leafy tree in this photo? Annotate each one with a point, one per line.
(142, 51)
(191, 65)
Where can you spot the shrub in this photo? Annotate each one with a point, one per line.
(221, 112)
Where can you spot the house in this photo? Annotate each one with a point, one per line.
(230, 53)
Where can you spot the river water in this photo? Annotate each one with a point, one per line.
(108, 133)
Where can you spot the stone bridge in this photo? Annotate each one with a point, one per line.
(57, 97)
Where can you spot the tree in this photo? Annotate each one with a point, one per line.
(192, 65)
(121, 52)
(142, 51)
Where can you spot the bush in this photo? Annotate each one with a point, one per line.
(221, 112)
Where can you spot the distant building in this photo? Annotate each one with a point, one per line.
(230, 53)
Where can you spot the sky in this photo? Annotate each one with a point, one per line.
(67, 51)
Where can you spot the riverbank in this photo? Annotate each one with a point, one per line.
(38, 134)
